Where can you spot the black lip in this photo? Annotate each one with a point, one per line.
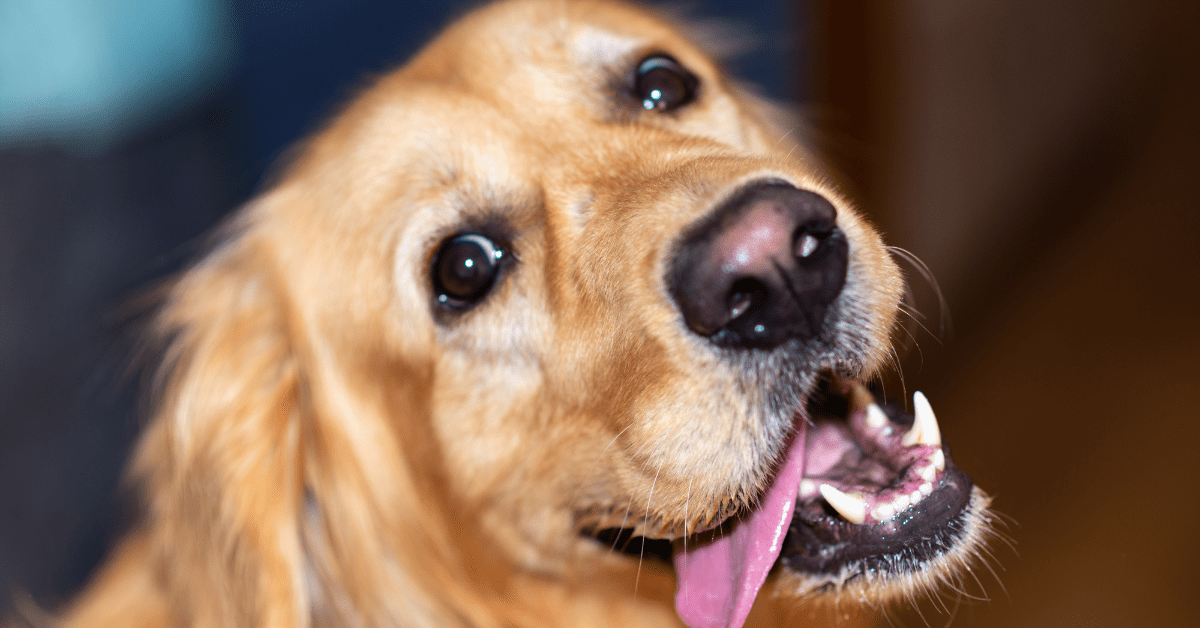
(820, 542)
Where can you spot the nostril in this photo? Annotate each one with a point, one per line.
(743, 295)
(762, 268)
(739, 302)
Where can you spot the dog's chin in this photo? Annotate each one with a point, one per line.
(881, 511)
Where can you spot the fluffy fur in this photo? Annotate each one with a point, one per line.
(330, 448)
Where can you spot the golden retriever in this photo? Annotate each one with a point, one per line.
(548, 308)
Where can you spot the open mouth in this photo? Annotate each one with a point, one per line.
(867, 494)
(880, 496)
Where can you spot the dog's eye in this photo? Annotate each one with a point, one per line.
(663, 84)
(465, 268)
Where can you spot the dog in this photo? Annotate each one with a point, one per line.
(554, 326)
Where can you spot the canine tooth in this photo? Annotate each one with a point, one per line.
(925, 427)
(927, 473)
(875, 416)
(808, 488)
(852, 509)
(883, 512)
(926, 488)
(939, 460)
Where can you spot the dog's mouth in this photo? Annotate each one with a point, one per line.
(880, 497)
(877, 481)
(867, 495)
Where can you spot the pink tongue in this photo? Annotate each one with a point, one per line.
(718, 581)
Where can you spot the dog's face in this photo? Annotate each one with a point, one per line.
(588, 284)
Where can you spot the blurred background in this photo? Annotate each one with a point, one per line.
(1038, 155)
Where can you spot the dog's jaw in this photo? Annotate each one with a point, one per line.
(880, 511)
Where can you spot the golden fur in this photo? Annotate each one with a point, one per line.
(325, 451)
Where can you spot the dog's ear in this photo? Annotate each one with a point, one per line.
(218, 465)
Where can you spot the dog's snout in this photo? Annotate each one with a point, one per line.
(763, 268)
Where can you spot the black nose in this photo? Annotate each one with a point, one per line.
(762, 269)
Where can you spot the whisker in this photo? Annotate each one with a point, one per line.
(687, 501)
(916, 318)
(944, 325)
(900, 373)
(624, 520)
(917, 607)
(953, 613)
(784, 136)
(610, 443)
(792, 150)
(645, 524)
(990, 562)
(983, 597)
(935, 596)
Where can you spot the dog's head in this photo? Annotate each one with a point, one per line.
(557, 279)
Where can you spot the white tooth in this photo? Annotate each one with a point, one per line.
(925, 488)
(927, 473)
(883, 512)
(875, 417)
(851, 509)
(915, 497)
(808, 488)
(925, 428)
(939, 460)
(900, 503)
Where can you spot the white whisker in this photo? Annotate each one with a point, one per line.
(614, 439)
(645, 524)
(944, 327)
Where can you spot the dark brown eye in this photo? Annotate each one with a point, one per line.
(662, 84)
(465, 268)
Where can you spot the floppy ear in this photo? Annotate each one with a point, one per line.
(289, 470)
(219, 464)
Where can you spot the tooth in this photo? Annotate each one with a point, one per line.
(851, 509)
(925, 428)
(939, 460)
(808, 488)
(875, 417)
(915, 497)
(883, 512)
(900, 503)
(927, 473)
(925, 488)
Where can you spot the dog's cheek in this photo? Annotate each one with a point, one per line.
(513, 458)
(478, 417)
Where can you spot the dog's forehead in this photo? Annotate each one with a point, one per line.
(538, 47)
(539, 21)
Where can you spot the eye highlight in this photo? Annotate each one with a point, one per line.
(662, 84)
(465, 269)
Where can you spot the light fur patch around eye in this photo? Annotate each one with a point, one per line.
(596, 47)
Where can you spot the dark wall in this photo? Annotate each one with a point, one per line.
(1041, 157)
